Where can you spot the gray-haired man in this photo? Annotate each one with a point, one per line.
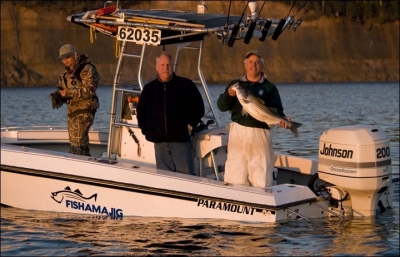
(250, 151)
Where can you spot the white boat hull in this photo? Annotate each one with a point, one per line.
(44, 179)
(121, 190)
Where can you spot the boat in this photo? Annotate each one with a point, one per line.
(352, 176)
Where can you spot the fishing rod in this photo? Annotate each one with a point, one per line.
(298, 22)
(226, 28)
(287, 22)
(235, 29)
(290, 23)
(282, 22)
(252, 26)
(290, 10)
(301, 7)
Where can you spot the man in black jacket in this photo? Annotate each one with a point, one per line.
(169, 108)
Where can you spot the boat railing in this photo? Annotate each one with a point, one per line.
(46, 127)
(42, 127)
(127, 90)
(116, 90)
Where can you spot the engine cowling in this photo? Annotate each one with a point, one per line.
(357, 159)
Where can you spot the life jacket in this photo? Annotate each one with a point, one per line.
(73, 80)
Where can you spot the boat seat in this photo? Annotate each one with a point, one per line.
(210, 139)
(211, 148)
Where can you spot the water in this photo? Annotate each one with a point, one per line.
(317, 106)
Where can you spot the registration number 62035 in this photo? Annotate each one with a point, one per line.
(139, 35)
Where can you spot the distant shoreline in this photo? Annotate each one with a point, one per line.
(332, 49)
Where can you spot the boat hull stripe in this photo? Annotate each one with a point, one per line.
(141, 189)
(362, 165)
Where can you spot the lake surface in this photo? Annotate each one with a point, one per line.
(317, 106)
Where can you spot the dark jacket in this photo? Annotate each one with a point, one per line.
(166, 108)
(263, 89)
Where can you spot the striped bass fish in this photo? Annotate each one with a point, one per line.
(256, 108)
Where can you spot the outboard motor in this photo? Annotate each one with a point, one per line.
(357, 159)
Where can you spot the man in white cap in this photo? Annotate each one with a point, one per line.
(77, 88)
(250, 159)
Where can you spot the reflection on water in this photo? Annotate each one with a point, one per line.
(317, 106)
(38, 233)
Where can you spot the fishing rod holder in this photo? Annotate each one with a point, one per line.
(297, 24)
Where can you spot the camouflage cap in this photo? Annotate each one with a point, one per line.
(66, 50)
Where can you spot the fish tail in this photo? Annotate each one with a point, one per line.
(294, 127)
(94, 196)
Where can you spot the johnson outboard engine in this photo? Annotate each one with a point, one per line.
(356, 160)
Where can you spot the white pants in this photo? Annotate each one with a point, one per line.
(250, 156)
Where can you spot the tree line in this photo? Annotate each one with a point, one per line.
(358, 11)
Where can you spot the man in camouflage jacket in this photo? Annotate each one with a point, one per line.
(77, 88)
